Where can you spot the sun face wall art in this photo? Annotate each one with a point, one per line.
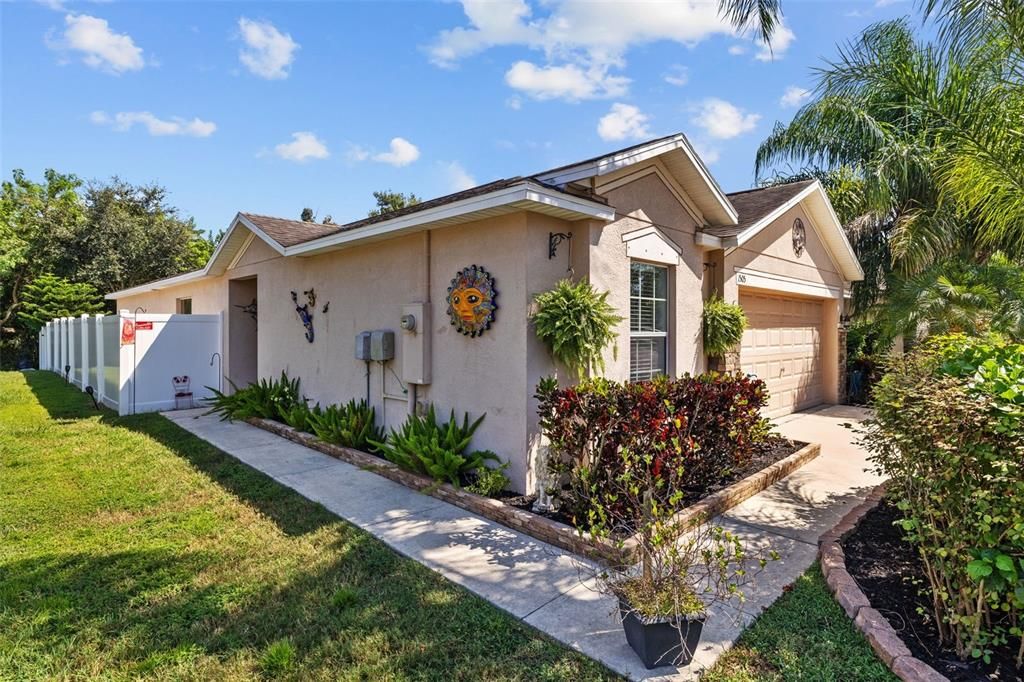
(471, 301)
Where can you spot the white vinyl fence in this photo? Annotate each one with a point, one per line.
(130, 360)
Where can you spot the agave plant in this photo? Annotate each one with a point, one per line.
(424, 446)
(352, 425)
(267, 399)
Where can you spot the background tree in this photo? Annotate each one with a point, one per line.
(110, 235)
(37, 221)
(388, 201)
(918, 144)
(49, 296)
(307, 215)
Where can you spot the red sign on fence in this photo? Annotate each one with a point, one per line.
(140, 326)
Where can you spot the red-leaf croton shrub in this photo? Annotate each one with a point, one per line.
(700, 429)
(949, 433)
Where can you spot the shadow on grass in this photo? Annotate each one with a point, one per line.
(292, 513)
(135, 609)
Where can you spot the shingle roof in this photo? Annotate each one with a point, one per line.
(289, 232)
(292, 232)
(754, 204)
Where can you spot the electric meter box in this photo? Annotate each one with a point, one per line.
(363, 346)
(382, 345)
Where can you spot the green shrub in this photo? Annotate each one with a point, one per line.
(352, 425)
(702, 428)
(948, 431)
(490, 481)
(723, 326)
(425, 446)
(278, 658)
(576, 323)
(298, 417)
(267, 399)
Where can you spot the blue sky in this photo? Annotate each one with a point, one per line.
(270, 107)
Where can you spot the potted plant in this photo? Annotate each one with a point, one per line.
(679, 572)
(723, 325)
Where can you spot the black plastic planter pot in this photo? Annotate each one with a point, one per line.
(659, 642)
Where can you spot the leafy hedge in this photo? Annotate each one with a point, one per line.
(422, 444)
(949, 432)
(702, 428)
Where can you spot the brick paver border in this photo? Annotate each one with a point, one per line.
(540, 527)
(882, 637)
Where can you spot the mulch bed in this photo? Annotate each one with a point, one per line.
(889, 571)
(772, 451)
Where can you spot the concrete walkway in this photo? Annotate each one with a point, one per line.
(545, 586)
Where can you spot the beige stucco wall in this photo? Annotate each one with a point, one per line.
(497, 372)
(772, 252)
(640, 203)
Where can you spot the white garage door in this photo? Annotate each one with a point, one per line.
(782, 346)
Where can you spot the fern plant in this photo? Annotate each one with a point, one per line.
(352, 425)
(723, 326)
(424, 446)
(576, 323)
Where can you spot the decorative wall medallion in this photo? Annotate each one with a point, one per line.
(799, 237)
(471, 301)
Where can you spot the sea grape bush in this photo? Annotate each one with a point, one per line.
(696, 429)
(949, 433)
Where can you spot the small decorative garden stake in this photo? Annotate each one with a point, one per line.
(471, 301)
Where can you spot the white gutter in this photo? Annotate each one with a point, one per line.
(613, 162)
(527, 192)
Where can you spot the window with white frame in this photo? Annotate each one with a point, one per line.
(648, 321)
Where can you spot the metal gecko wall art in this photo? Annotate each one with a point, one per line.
(303, 311)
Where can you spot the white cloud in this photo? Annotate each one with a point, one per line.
(569, 81)
(677, 75)
(402, 153)
(514, 103)
(357, 153)
(101, 47)
(303, 147)
(267, 53)
(458, 178)
(584, 43)
(782, 38)
(723, 120)
(623, 121)
(126, 120)
(886, 3)
(737, 49)
(55, 5)
(794, 96)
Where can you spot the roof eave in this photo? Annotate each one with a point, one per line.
(526, 195)
(613, 162)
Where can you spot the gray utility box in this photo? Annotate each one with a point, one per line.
(363, 346)
(382, 345)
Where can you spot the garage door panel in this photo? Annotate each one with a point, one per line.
(782, 345)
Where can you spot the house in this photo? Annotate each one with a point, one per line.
(647, 223)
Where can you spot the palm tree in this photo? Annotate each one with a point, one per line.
(760, 16)
(929, 136)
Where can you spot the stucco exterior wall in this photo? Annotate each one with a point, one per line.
(772, 251)
(640, 203)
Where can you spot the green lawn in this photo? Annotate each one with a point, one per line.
(805, 635)
(130, 548)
